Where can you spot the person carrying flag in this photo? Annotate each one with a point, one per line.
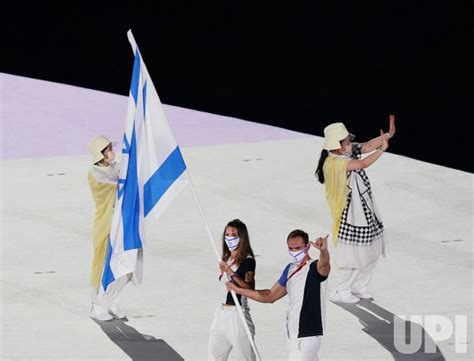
(103, 177)
(238, 264)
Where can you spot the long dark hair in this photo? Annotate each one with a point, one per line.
(319, 171)
(244, 248)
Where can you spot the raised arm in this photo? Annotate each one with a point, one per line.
(323, 264)
(367, 161)
(373, 144)
(264, 296)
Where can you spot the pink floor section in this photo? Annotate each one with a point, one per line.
(45, 119)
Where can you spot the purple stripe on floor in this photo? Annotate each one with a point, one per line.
(44, 119)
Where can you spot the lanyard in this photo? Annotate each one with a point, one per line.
(230, 265)
(297, 270)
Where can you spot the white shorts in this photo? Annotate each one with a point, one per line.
(304, 348)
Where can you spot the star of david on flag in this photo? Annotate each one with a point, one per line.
(152, 173)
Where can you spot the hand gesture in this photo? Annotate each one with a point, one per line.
(231, 286)
(392, 128)
(321, 243)
(224, 267)
(384, 140)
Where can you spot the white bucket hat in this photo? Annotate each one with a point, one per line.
(333, 134)
(96, 147)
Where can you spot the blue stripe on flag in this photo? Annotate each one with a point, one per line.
(144, 100)
(126, 145)
(121, 188)
(163, 178)
(107, 276)
(131, 201)
(135, 77)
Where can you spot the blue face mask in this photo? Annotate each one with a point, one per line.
(298, 255)
(232, 242)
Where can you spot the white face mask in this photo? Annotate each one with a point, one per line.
(298, 255)
(232, 242)
(347, 150)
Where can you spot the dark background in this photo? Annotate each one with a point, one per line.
(295, 65)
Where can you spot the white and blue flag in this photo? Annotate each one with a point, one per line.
(152, 172)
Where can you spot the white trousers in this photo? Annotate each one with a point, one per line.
(350, 280)
(228, 334)
(101, 303)
(304, 348)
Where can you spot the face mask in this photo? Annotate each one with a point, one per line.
(232, 242)
(298, 255)
(347, 150)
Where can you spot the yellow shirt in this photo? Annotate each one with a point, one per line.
(335, 180)
(104, 198)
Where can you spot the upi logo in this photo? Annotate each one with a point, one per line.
(410, 336)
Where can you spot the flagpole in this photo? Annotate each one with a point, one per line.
(232, 292)
(211, 238)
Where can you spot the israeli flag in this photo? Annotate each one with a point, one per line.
(152, 173)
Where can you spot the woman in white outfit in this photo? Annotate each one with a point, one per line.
(358, 228)
(238, 265)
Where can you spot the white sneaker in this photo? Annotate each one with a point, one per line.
(362, 293)
(344, 298)
(104, 316)
(116, 312)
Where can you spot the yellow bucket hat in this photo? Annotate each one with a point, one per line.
(96, 147)
(333, 134)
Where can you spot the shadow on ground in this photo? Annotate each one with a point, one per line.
(405, 340)
(136, 345)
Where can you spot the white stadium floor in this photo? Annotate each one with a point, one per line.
(260, 174)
